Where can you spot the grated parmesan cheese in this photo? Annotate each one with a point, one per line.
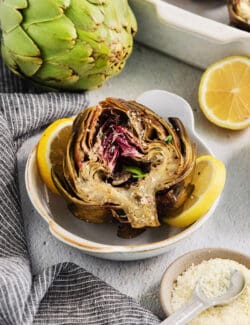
(215, 274)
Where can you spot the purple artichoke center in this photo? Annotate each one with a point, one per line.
(117, 142)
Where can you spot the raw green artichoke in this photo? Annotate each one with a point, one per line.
(125, 163)
(67, 44)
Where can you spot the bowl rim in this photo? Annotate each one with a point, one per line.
(188, 258)
(95, 247)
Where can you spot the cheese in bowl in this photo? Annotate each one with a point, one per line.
(215, 274)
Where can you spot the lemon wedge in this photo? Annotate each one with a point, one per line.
(224, 93)
(51, 149)
(209, 180)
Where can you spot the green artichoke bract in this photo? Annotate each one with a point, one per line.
(67, 44)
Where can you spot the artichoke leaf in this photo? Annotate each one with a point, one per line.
(86, 15)
(10, 60)
(91, 82)
(89, 213)
(170, 202)
(75, 57)
(95, 41)
(187, 149)
(166, 165)
(69, 167)
(10, 18)
(54, 85)
(57, 72)
(68, 192)
(17, 4)
(121, 6)
(112, 18)
(19, 43)
(28, 65)
(133, 22)
(93, 214)
(48, 11)
(64, 36)
(63, 186)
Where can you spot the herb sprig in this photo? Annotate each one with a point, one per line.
(136, 172)
(169, 139)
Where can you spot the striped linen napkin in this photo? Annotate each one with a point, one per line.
(64, 293)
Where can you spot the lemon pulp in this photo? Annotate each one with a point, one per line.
(224, 93)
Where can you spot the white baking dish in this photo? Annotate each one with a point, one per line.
(189, 34)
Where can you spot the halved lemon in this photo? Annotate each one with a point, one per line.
(209, 180)
(224, 93)
(51, 149)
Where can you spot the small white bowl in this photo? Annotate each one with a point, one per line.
(182, 263)
(102, 240)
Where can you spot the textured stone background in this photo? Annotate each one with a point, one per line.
(228, 227)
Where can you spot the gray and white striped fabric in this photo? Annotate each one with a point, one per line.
(64, 293)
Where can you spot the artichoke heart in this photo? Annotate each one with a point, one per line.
(124, 163)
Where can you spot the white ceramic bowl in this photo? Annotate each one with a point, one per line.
(102, 240)
(182, 263)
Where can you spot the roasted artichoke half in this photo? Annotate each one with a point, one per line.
(125, 164)
(239, 12)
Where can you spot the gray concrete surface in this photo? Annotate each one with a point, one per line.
(230, 225)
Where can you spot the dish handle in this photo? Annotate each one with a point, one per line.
(173, 105)
(182, 19)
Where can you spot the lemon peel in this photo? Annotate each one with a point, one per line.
(209, 180)
(51, 147)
